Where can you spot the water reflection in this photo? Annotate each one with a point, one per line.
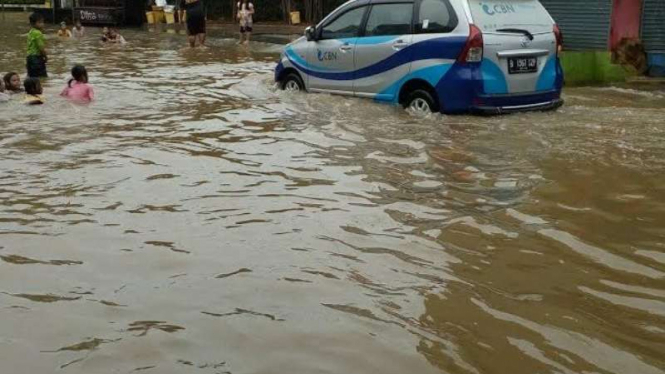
(194, 218)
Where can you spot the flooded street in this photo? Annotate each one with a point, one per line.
(193, 219)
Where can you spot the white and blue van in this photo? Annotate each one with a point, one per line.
(449, 56)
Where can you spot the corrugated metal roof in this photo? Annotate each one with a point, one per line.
(585, 24)
(653, 25)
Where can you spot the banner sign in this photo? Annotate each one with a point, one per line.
(98, 15)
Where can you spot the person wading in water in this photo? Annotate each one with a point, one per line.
(196, 21)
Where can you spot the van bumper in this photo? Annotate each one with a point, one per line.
(278, 71)
(503, 104)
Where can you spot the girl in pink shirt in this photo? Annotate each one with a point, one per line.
(78, 88)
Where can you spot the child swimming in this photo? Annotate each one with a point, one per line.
(105, 34)
(33, 91)
(78, 88)
(64, 31)
(3, 96)
(114, 37)
(12, 83)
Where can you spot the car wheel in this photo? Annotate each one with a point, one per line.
(293, 83)
(421, 102)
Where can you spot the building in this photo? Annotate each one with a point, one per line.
(593, 29)
(91, 12)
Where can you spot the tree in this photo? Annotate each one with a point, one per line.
(313, 10)
(286, 10)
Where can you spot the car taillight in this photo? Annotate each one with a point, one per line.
(473, 50)
(559, 38)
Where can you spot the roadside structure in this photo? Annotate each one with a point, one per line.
(597, 31)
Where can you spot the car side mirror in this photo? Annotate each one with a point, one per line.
(310, 33)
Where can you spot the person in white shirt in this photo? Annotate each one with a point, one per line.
(245, 17)
(78, 30)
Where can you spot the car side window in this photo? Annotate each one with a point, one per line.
(389, 19)
(345, 26)
(435, 16)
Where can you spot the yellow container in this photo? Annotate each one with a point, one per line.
(158, 12)
(295, 18)
(150, 17)
(170, 18)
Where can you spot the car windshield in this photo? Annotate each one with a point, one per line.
(495, 15)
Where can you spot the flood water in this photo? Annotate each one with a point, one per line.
(193, 219)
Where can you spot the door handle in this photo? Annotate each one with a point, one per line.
(345, 47)
(400, 44)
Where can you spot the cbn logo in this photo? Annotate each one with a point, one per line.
(326, 55)
(492, 9)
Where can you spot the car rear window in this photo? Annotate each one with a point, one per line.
(492, 15)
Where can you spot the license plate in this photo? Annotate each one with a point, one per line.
(520, 65)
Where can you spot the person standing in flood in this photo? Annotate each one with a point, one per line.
(196, 21)
(246, 19)
(37, 56)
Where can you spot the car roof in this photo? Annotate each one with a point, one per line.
(357, 3)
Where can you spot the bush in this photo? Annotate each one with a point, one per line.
(23, 2)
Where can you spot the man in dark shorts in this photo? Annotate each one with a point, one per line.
(196, 21)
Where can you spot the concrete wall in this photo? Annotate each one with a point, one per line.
(592, 68)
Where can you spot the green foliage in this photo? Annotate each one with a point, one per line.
(23, 2)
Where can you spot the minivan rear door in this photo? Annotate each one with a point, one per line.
(520, 45)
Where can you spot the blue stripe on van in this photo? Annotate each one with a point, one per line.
(441, 48)
(548, 76)
(431, 75)
(494, 80)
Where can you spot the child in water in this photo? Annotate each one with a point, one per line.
(114, 37)
(64, 31)
(105, 34)
(33, 91)
(78, 88)
(79, 30)
(12, 83)
(3, 96)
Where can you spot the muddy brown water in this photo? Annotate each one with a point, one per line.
(195, 220)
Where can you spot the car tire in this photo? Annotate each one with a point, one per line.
(421, 101)
(293, 83)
